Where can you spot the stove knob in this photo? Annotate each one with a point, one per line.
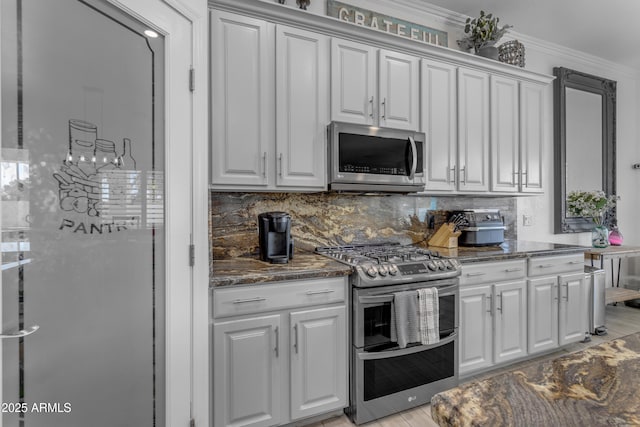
(383, 270)
(440, 264)
(431, 265)
(393, 269)
(371, 270)
(449, 264)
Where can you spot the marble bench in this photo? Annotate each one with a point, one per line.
(598, 386)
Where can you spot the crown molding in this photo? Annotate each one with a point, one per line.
(560, 51)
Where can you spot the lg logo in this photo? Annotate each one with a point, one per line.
(412, 398)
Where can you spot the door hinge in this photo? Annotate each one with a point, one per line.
(192, 79)
(192, 255)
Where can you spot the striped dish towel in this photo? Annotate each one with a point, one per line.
(428, 312)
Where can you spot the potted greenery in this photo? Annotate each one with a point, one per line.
(594, 205)
(483, 32)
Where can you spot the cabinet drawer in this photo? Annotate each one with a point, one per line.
(234, 301)
(488, 272)
(544, 266)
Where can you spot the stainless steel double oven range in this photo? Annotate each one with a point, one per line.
(385, 378)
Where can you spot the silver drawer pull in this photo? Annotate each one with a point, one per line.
(256, 299)
(545, 266)
(21, 333)
(324, 291)
(475, 274)
(512, 270)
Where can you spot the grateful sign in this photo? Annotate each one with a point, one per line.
(387, 24)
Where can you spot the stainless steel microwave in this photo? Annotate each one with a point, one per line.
(366, 158)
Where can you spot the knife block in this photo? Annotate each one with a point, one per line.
(445, 237)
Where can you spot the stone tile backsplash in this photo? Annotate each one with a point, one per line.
(329, 219)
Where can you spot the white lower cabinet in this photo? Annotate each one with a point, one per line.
(318, 368)
(558, 302)
(279, 352)
(476, 328)
(573, 310)
(543, 314)
(247, 372)
(493, 314)
(513, 309)
(510, 332)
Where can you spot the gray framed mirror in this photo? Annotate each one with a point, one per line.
(584, 142)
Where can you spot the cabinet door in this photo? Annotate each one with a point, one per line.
(473, 130)
(242, 99)
(353, 82)
(247, 371)
(573, 308)
(302, 105)
(439, 123)
(532, 134)
(318, 361)
(505, 145)
(476, 329)
(510, 338)
(543, 314)
(398, 90)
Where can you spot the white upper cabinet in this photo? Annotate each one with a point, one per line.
(275, 88)
(505, 146)
(353, 82)
(517, 135)
(473, 130)
(439, 123)
(302, 106)
(374, 87)
(532, 136)
(242, 94)
(398, 90)
(266, 136)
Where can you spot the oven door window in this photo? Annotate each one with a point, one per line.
(377, 323)
(386, 376)
(377, 155)
(377, 327)
(447, 314)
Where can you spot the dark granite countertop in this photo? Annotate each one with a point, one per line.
(308, 265)
(510, 249)
(250, 270)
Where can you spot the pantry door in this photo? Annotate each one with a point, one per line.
(95, 217)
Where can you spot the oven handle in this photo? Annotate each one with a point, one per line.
(406, 351)
(377, 299)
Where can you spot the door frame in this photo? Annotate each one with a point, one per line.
(183, 24)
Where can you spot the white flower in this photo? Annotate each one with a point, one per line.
(590, 204)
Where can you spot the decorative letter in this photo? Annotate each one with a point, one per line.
(66, 223)
(344, 14)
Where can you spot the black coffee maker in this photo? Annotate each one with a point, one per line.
(276, 244)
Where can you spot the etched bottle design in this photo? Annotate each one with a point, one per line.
(126, 160)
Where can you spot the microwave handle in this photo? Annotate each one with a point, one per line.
(414, 157)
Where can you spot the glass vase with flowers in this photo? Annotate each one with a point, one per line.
(595, 205)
